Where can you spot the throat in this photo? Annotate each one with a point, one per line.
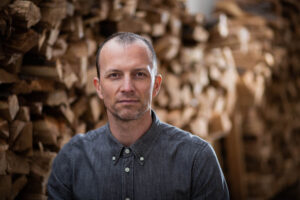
(127, 132)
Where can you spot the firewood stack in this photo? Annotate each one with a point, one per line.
(47, 64)
(266, 52)
(47, 58)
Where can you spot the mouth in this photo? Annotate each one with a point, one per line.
(128, 101)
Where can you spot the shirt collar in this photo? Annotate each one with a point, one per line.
(141, 148)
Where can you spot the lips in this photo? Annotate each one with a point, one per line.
(128, 101)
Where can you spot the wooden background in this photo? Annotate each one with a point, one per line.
(233, 80)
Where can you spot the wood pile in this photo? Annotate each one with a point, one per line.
(265, 49)
(47, 59)
(47, 64)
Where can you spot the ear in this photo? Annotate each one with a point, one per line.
(98, 87)
(157, 84)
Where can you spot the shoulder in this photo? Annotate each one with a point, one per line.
(178, 135)
(83, 139)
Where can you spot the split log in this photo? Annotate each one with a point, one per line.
(4, 130)
(15, 129)
(25, 13)
(46, 131)
(24, 141)
(5, 186)
(6, 77)
(54, 73)
(53, 12)
(17, 186)
(23, 114)
(3, 163)
(9, 108)
(22, 42)
(167, 47)
(16, 164)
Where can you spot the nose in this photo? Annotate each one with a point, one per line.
(127, 84)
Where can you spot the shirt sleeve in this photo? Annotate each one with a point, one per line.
(208, 179)
(60, 181)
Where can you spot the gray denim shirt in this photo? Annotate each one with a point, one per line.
(165, 163)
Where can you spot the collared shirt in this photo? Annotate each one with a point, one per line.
(165, 163)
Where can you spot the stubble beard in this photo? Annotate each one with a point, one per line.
(126, 114)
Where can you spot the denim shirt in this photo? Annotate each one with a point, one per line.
(165, 163)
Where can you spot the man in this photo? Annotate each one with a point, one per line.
(134, 156)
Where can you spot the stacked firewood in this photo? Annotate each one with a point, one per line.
(47, 64)
(47, 58)
(266, 52)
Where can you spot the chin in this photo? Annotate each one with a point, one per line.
(129, 115)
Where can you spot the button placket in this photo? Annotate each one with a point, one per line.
(127, 177)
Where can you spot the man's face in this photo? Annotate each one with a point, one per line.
(127, 81)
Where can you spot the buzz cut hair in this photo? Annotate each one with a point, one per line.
(127, 38)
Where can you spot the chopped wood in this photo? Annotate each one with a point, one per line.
(23, 114)
(94, 109)
(9, 108)
(17, 186)
(219, 124)
(53, 12)
(16, 163)
(214, 73)
(36, 108)
(167, 47)
(23, 42)
(3, 145)
(68, 113)
(54, 73)
(25, 13)
(5, 186)
(6, 77)
(24, 141)
(46, 131)
(41, 164)
(3, 163)
(15, 129)
(195, 33)
(4, 130)
(57, 98)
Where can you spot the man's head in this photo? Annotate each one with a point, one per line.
(126, 38)
(127, 78)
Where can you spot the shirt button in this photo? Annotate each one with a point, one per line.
(113, 158)
(127, 151)
(127, 169)
(142, 158)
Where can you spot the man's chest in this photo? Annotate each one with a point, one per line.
(156, 176)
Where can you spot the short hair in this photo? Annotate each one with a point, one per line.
(127, 38)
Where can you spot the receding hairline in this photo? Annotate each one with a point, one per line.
(127, 38)
(125, 44)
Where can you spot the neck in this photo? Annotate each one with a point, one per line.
(128, 132)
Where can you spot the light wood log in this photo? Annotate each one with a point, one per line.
(9, 108)
(46, 131)
(167, 47)
(26, 13)
(23, 114)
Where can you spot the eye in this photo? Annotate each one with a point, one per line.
(113, 75)
(141, 74)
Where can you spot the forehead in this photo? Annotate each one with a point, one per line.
(117, 48)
